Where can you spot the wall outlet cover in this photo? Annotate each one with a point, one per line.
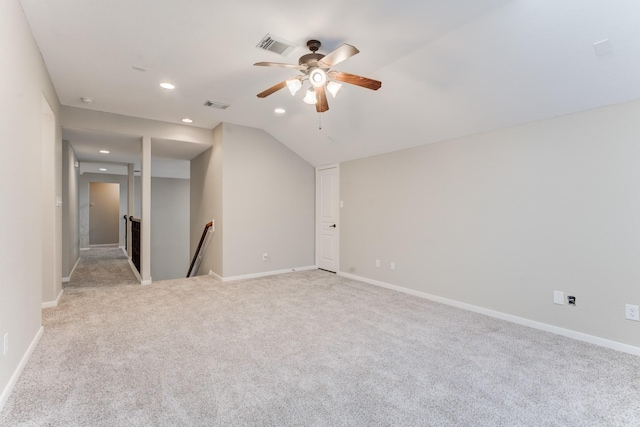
(558, 297)
(632, 312)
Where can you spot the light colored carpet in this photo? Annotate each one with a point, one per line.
(101, 267)
(307, 349)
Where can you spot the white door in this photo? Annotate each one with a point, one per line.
(327, 215)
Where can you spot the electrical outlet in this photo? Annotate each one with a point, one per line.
(558, 297)
(378, 263)
(265, 256)
(5, 344)
(393, 265)
(632, 312)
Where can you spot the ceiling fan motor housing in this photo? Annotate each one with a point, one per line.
(310, 59)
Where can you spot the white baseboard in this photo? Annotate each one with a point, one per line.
(68, 279)
(55, 303)
(105, 245)
(16, 374)
(603, 342)
(135, 270)
(216, 276)
(263, 274)
(124, 251)
(85, 249)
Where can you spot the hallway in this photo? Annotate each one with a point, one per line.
(100, 268)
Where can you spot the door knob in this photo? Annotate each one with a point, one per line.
(332, 226)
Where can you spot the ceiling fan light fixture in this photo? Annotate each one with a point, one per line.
(334, 88)
(317, 77)
(310, 97)
(294, 85)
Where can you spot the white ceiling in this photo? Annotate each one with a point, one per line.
(449, 67)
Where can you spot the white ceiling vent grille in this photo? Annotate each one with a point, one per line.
(218, 105)
(276, 45)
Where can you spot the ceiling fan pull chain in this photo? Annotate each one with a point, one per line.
(319, 121)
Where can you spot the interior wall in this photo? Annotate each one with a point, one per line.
(500, 220)
(169, 228)
(268, 204)
(51, 212)
(70, 210)
(85, 180)
(24, 81)
(206, 204)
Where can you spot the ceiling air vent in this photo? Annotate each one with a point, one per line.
(276, 45)
(218, 105)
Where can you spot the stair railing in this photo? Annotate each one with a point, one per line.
(197, 256)
(135, 241)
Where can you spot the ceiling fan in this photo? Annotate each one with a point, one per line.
(315, 67)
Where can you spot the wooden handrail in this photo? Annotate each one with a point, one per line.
(195, 256)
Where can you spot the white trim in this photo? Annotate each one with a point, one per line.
(68, 279)
(263, 274)
(214, 275)
(145, 282)
(16, 374)
(85, 249)
(55, 303)
(317, 215)
(603, 342)
(135, 270)
(124, 251)
(105, 245)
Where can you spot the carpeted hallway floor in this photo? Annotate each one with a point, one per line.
(101, 267)
(307, 349)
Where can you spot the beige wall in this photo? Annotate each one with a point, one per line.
(269, 202)
(169, 228)
(70, 210)
(206, 204)
(261, 195)
(502, 219)
(23, 84)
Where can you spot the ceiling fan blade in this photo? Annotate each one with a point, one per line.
(272, 89)
(321, 105)
(336, 56)
(281, 65)
(355, 80)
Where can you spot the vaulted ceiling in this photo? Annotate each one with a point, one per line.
(449, 67)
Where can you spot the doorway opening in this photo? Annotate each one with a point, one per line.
(104, 214)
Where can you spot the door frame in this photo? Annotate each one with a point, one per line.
(318, 214)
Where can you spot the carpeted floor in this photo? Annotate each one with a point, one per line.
(101, 267)
(307, 349)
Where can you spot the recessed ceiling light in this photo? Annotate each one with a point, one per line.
(187, 120)
(103, 170)
(104, 151)
(280, 111)
(167, 85)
